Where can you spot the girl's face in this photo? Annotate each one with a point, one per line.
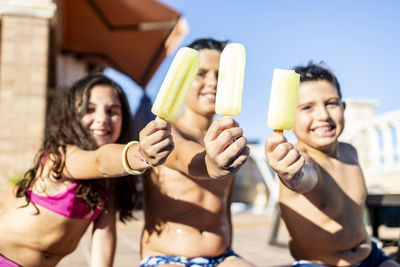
(104, 116)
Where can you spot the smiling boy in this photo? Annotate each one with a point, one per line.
(323, 192)
(187, 199)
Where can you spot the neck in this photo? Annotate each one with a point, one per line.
(331, 151)
(193, 124)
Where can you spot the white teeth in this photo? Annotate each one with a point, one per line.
(100, 132)
(209, 96)
(322, 130)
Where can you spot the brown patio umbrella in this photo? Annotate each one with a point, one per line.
(132, 36)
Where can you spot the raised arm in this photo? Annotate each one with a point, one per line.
(225, 150)
(289, 164)
(107, 161)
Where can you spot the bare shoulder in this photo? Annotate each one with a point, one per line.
(348, 153)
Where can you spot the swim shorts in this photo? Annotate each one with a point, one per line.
(189, 262)
(375, 258)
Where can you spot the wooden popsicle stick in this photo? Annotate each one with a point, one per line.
(278, 131)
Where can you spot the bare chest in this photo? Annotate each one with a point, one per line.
(175, 188)
(340, 181)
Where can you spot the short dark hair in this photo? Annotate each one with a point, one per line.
(316, 72)
(208, 43)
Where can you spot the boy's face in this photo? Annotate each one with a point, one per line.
(201, 96)
(319, 116)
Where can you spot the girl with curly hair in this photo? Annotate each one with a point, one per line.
(69, 186)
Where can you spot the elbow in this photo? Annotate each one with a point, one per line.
(308, 179)
(304, 181)
(99, 161)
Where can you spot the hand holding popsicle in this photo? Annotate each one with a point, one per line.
(176, 83)
(289, 164)
(156, 142)
(282, 156)
(230, 80)
(226, 147)
(225, 144)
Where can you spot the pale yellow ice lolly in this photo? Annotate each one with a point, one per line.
(283, 100)
(176, 83)
(230, 80)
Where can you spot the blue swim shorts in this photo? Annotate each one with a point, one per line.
(375, 258)
(189, 262)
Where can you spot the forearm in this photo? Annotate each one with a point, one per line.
(110, 160)
(106, 162)
(102, 251)
(197, 165)
(190, 161)
(103, 243)
(303, 181)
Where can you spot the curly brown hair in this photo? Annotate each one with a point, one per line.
(63, 127)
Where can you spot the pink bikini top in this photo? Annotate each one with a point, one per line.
(66, 203)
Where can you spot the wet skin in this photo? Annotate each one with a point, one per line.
(187, 199)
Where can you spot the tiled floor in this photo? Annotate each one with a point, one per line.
(250, 240)
(251, 234)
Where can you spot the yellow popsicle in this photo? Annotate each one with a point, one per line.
(230, 80)
(283, 100)
(176, 83)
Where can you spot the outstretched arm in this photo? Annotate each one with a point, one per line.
(155, 145)
(225, 150)
(289, 164)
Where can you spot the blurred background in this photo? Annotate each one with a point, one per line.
(358, 40)
(46, 45)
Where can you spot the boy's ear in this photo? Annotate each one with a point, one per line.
(344, 105)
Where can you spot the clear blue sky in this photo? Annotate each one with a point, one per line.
(359, 40)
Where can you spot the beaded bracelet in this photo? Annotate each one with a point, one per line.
(125, 162)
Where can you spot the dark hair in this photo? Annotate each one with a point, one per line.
(64, 128)
(208, 43)
(316, 72)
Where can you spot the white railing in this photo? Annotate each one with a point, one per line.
(377, 140)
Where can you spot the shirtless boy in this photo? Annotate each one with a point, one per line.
(187, 199)
(322, 192)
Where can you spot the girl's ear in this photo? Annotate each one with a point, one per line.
(344, 105)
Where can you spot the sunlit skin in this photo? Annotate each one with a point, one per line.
(201, 97)
(319, 116)
(187, 200)
(104, 115)
(323, 207)
(37, 236)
